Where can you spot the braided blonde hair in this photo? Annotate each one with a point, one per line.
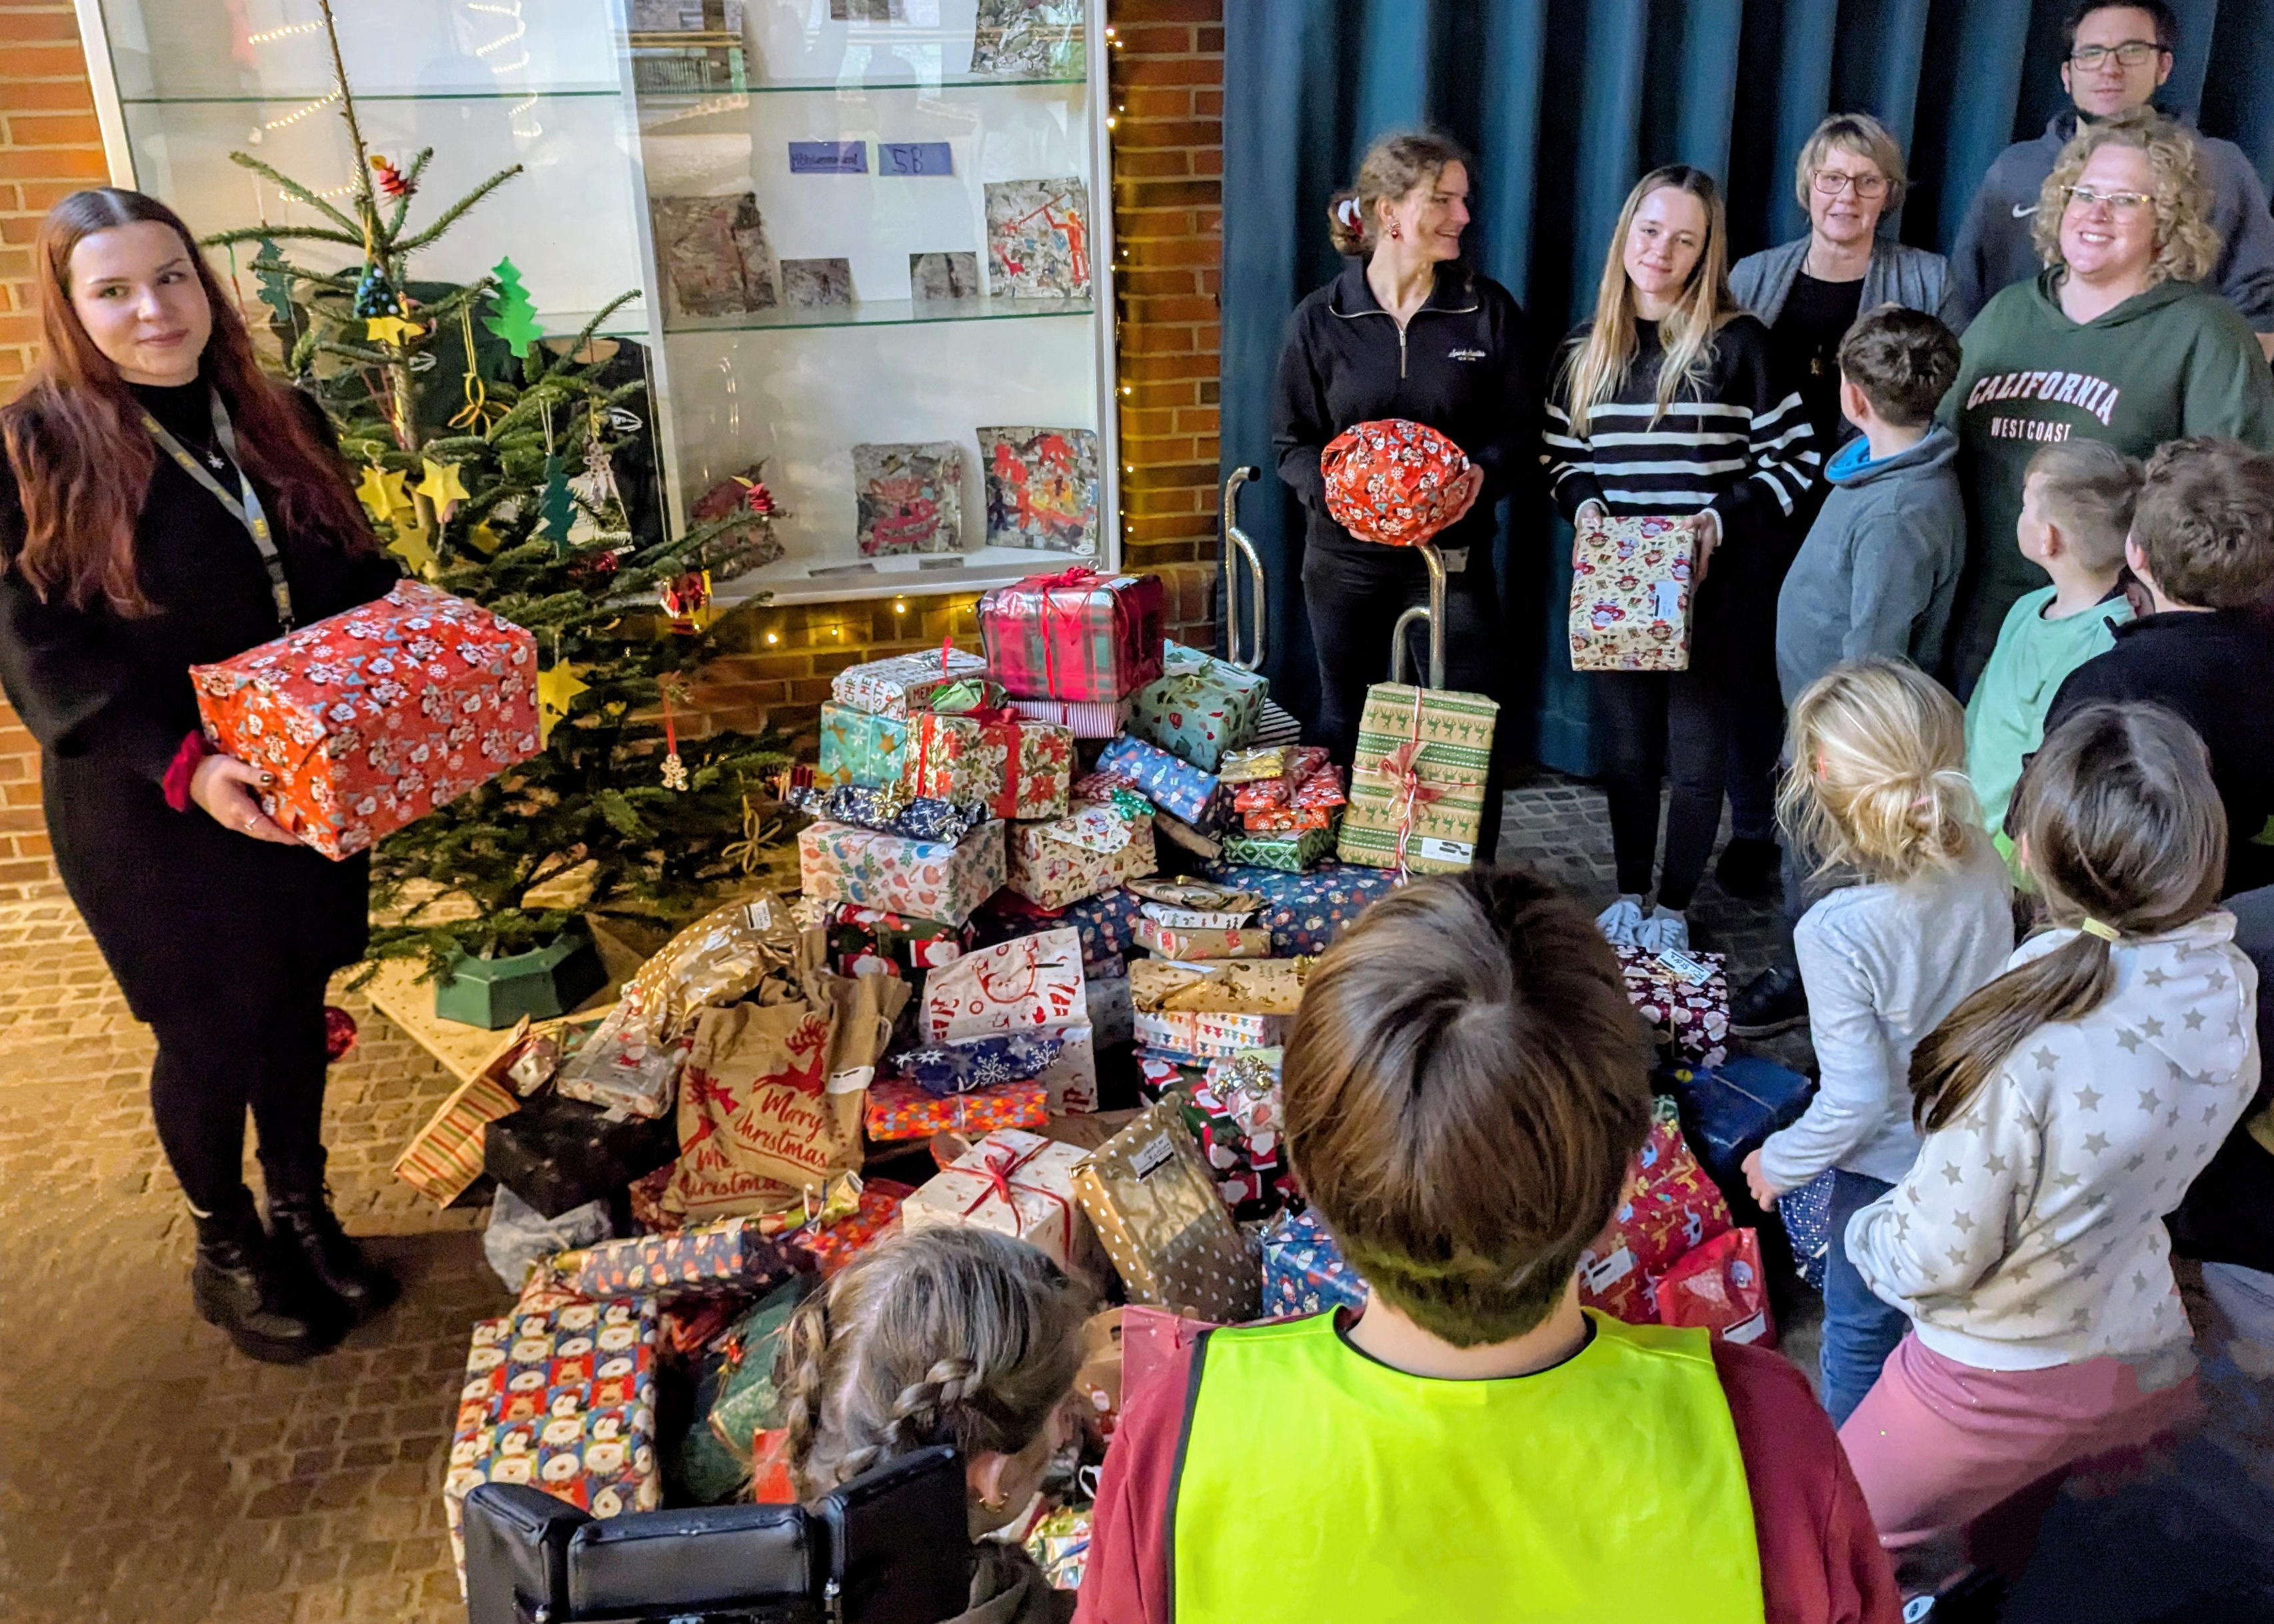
(1876, 779)
(944, 1336)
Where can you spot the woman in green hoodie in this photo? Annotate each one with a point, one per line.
(2116, 339)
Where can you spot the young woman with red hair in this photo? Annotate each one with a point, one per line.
(163, 504)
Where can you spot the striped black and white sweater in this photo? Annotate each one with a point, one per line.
(1739, 444)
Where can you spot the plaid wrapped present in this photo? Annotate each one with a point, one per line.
(445, 1157)
(1667, 1207)
(860, 746)
(731, 1256)
(1295, 852)
(898, 1111)
(904, 684)
(1303, 1270)
(1017, 1183)
(371, 720)
(1418, 794)
(961, 1065)
(1200, 707)
(1307, 913)
(873, 941)
(838, 863)
(1632, 581)
(1096, 847)
(1157, 1209)
(1016, 769)
(1085, 718)
(1076, 634)
(835, 1244)
(1175, 786)
(1684, 997)
(562, 1400)
(1203, 941)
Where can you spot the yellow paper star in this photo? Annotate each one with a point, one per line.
(413, 546)
(484, 540)
(442, 486)
(556, 687)
(390, 329)
(382, 492)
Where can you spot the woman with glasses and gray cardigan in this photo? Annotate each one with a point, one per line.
(1808, 293)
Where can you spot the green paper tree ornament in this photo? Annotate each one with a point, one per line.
(513, 317)
(556, 505)
(275, 279)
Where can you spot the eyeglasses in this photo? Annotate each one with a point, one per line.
(2121, 202)
(2131, 54)
(1831, 183)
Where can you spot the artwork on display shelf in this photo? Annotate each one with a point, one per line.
(868, 10)
(943, 276)
(687, 16)
(1038, 238)
(714, 255)
(1028, 39)
(816, 284)
(909, 498)
(1042, 488)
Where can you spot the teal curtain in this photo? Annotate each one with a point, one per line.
(1565, 103)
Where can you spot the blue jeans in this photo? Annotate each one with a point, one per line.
(1860, 1331)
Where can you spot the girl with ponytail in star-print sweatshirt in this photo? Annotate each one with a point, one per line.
(2064, 1108)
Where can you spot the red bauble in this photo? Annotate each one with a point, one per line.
(339, 1032)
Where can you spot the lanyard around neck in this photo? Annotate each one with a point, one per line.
(244, 505)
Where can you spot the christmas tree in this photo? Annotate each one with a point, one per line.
(465, 454)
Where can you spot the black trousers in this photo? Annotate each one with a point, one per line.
(1672, 724)
(1354, 599)
(1756, 742)
(256, 1044)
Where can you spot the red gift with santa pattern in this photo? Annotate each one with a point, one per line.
(1393, 481)
(371, 720)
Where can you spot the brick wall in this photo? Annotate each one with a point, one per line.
(1167, 85)
(49, 145)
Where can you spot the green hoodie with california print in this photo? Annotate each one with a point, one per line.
(2174, 360)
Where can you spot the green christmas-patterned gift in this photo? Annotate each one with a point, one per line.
(1199, 708)
(860, 746)
(1417, 795)
(1293, 852)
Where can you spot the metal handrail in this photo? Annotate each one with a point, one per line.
(1435, 614)
(1237, 538)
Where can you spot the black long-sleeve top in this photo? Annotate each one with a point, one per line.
(173, 898)
(1738, 443)
(1459, 365)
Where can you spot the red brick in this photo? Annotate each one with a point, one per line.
(48, 95)
(1168, 71)
(1134, 132)
(54, 130)
(1139, 43)
(56, 60)
(1129, 12)
(30, 26)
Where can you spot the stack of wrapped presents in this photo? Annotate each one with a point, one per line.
(1056, 913)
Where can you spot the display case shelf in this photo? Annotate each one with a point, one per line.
(851, 88)
(888, 314)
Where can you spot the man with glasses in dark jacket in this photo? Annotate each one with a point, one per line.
(2117, 56)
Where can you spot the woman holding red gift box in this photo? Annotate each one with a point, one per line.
(1405, 331)
(146, 462)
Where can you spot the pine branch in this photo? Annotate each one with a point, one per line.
(293, 189)
(253, 234)
(450, 215)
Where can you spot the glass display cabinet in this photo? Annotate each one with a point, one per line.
(879, 268)
(872, 238)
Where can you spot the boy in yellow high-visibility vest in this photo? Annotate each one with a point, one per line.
(1464, 1087)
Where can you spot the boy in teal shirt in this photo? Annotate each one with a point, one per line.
(2077, 508)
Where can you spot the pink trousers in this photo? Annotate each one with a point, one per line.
(1936, 1445)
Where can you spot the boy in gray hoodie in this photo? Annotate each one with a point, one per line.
(1880, 566)
(1878, 571)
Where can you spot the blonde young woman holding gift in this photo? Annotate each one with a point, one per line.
(1666, 403)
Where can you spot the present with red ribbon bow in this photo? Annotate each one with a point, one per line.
(1416, 795)
(972, 746)
(1077, 635)
(1016, 1183)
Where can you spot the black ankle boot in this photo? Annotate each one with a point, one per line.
(303, 1222)
(238, 1285)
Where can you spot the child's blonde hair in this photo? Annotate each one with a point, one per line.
(1876, 776)
(2125, 836)
(944, 1336)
